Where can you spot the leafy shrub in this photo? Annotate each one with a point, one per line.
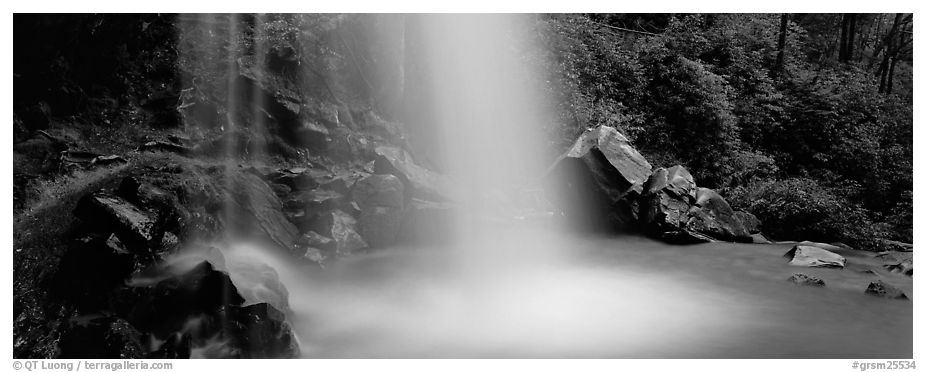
(804, 209)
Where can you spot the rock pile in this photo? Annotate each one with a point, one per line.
(602, 182)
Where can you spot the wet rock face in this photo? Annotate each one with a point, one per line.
(812, 254)
(596, 181)
(256, 210)
(419, 182)
(342, 228)
(381, 199)
(882, 289)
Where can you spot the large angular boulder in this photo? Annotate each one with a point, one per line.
(810, 254)
(164, 307)
(164, 205)
(711, 215)
(597, 180)
(419, 182)
(381, 199)
(668, 195)
(105, 212)
(676, 180)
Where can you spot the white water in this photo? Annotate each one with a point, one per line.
(625, 297)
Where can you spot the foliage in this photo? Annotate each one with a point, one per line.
(804, 209)
(706, 91)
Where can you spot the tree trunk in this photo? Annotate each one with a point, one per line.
(850, 42)
(890, 75)
(843, 36)
(782, 39)
(886, 42)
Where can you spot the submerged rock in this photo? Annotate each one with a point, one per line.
(897, 261)
(812, 254)
(806, 280)
(597, 180)
(881, 289)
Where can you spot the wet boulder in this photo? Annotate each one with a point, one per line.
(897, 261)
(381, 199)
(257, 281)
(810, 254)
(164, 307)
(668, 195)
(881, 289)
(257, 331)
(758, 238)
(806, 280)
(711, 215)
(164, 205)
(105, 212)
(749, 221)
(595, 182)
(342, 228)
(418, 181)
(676, 181)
